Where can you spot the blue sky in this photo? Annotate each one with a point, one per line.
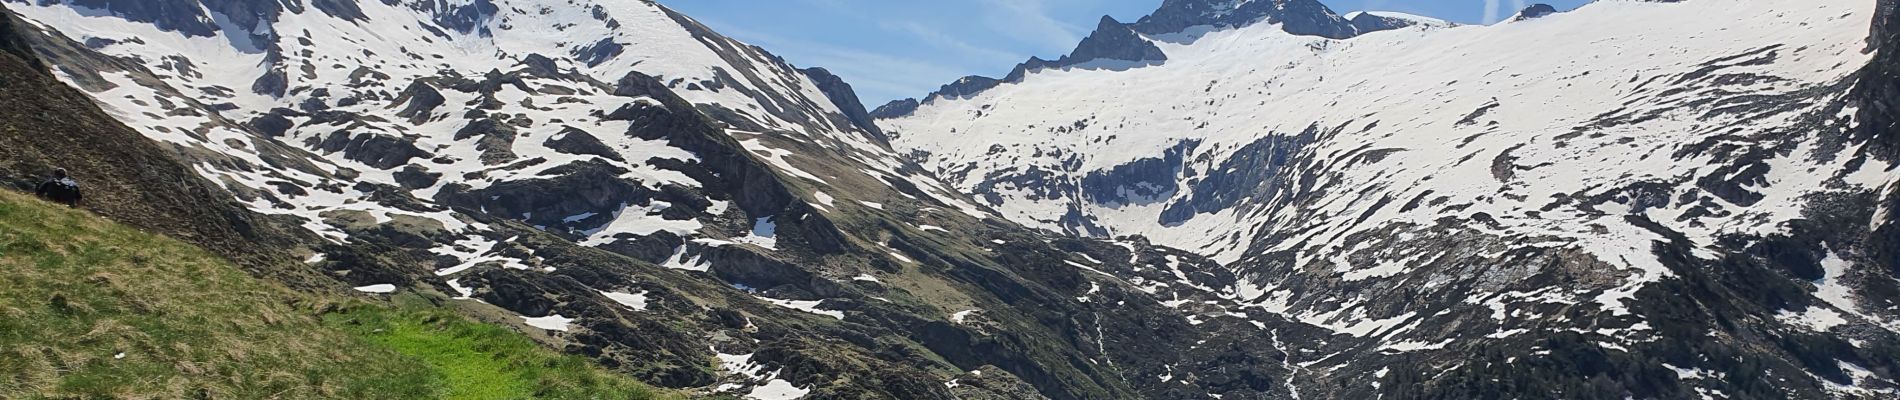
(891, 49)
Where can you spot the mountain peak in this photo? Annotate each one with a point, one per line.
(1299, 17)
(1113, 40)
(1535, 11)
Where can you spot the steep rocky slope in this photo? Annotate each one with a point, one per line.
(48, 125)
(623, 183)
(1633, 199)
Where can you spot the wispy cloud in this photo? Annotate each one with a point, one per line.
(938, 38)
(1494, 10)
(876, 77)
(1028, 21)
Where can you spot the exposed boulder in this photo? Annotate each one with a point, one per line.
(496, 140)
(419, 102)
(377, 150)
(572, 140)
(417, 177)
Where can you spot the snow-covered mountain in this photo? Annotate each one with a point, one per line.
(1236, 199)
(626, 184)
(1666, 193)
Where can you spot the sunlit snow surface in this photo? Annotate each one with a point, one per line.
(554, 322)
(1463, 120)
(401, 43)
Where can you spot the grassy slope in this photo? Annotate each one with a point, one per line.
(92, 309)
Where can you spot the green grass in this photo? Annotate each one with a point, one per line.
(91, 309)
(481, 361)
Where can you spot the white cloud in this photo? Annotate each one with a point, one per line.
(1491, 11)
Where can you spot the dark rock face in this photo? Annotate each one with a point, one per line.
(572, 140)
(467, 18)
(1878, 94)
(1142, 182)
(599, 52)
(844, 98)
(1536, 11)
(13, 41)
(1113, 40)
(189, 17)
(55, 126)
(420, 100)
(1258, 169)
(1300, 17)
(895, 108)
(273, 83)
(576, 189)
(417, 177)
(1879, 89)
(375, 149)
(966, 87)
(497, 140)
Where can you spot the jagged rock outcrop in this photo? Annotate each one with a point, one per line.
(895, 108)
(572, 140)
(1113, 40)
(1535, 11)
(844, 97)
(1299, 17)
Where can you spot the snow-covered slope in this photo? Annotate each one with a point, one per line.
(632, 186)
(1485, 117)
(1434, 191)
